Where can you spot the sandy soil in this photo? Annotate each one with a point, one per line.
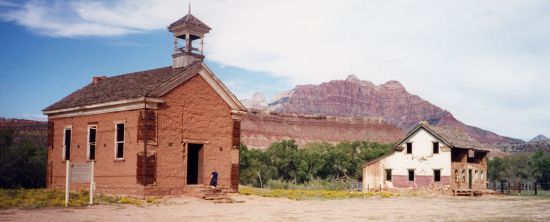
(253, 208)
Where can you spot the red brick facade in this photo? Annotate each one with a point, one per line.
(193, 112)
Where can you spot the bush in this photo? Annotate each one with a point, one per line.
(283, 165)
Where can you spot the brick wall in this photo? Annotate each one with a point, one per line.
(192, 113)
(111, 176)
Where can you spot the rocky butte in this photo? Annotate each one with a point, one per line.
(390, 103)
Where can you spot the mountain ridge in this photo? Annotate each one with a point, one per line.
(390, 101)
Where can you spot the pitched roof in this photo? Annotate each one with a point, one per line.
(151, 83)
(189, 19)
(451, 136)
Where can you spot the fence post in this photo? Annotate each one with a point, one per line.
(536, 191)
(495, 186)
(502, 187)
(519, 187)
(67, 175)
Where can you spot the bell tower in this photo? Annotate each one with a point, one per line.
(188, 40)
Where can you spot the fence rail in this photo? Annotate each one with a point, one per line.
(525, 188)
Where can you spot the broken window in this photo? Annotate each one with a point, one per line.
(456, 176)
(437, 175)
(411, 174)
(481, 178)
(388, 174)
(67, 144)
(119, 149)
(409, 148)
(92, 129)
(435, 147)
(463, 174)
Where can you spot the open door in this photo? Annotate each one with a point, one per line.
(194, 163)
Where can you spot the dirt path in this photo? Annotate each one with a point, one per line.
(278, 209)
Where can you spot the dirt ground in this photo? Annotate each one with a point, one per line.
(254, 208)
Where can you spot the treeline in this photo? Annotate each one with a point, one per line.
(523, 167)
(22, 162)
(284, 161)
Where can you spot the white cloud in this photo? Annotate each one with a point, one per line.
(488, 62)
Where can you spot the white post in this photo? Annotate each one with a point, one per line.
(92, 184)
(67, 182)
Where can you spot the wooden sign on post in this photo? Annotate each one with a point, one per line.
(79, 173)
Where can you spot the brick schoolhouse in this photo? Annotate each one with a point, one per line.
(154, 132)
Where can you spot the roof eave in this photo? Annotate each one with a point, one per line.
(102, 105)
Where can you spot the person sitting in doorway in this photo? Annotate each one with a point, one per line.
(214, 179)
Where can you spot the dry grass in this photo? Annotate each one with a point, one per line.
(45, 198)
(311, 194)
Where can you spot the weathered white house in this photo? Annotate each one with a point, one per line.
(430, 157)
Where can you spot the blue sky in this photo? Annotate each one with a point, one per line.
(487, 62)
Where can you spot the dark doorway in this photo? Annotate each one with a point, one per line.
(194, 154)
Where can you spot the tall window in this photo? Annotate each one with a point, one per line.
(119, 141)
(92, 130)
(388, 174)
(409, 148)
(411, 174)
(435, 147)
(437, 175)
(67, 144)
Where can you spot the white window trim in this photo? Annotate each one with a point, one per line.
(70, 127)
(88, 142)
(115, 139)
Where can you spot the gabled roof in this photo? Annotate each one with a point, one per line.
(450, 136)
(189, 20)
(145, 84)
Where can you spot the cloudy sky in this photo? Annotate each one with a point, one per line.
(488, 62)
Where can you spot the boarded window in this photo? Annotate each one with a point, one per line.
(409, 148)
(435, 147)
(411, 175)
(92, 131)
(147, 126)
(388, 174)
(236, 134)
(146, 169)
(67, 144)
(119, 149)
(437, 175)
(50, 134)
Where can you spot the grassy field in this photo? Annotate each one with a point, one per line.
(45, 198)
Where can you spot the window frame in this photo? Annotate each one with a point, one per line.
(409, 175)
(390, 174)
(116, 142)
(63, 150)
(434, 177)
(435, 148)
(89, 144)
(407, 148)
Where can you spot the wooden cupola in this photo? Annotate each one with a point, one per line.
(187, 30)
